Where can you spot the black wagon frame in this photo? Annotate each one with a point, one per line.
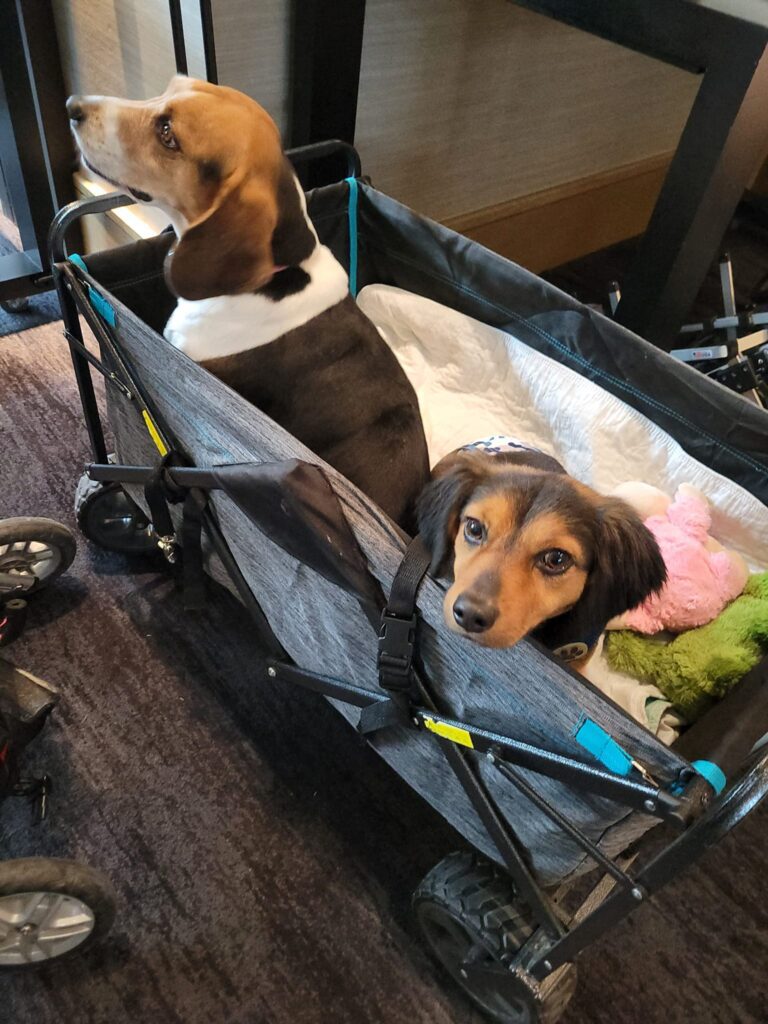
(701, 817)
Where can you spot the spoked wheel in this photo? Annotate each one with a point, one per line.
(33, 552)
(475, 924)
(50, 909)
(108, 516)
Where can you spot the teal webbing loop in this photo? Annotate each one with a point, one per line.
(352, 215)
(602, 747)
(714, 775)
(102, 307)
(78, 261)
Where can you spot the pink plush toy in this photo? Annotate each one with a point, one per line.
(702, 576)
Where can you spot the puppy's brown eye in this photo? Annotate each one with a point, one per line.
(474, 531)
(165, 133)
(554, 562)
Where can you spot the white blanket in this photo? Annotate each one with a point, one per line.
(473, 381)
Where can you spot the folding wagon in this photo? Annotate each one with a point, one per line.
(545, 777)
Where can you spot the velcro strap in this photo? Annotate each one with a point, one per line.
(713, 773)
(602, 746)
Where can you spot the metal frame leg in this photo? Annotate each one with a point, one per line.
(35, 143)
(82, 370)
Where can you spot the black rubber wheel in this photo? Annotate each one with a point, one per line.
(475, 924)
(108, 516)
(51, 910)
(35, 549)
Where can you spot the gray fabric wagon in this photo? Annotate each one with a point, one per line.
(541, 773)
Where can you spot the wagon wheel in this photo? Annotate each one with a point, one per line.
(50, 909)
(33, 552)
(108, 516)
(475, 924)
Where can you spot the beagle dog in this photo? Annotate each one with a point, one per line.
(531, 550)
(261, 303)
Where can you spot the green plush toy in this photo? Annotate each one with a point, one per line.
(699, 666)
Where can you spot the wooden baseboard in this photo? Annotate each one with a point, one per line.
(547, 228)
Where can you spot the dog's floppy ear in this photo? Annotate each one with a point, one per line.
(440, 503)
(228, 251)
(627, 568)
(293, 240)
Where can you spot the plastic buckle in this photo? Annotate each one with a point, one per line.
(397, 638)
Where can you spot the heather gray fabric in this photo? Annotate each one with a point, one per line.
(521, 692)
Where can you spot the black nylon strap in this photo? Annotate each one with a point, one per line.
(397, 634)
(192, 571)
(156, 498)
(405, 585)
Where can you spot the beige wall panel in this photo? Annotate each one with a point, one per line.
(464, 104)
(125, 48)
(252, 50)
(468, 103)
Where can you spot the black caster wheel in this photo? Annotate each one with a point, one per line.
(33, 552)
(474, 924)
(50, 909)
(108, 516)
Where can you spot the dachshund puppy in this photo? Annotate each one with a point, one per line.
(531, 550)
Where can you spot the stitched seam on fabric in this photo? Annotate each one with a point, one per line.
(149, 276)
(623, 385)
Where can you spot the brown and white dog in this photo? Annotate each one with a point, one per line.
(261, 303)
(531, 550)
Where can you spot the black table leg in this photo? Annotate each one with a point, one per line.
(325, 55)
(721, 149)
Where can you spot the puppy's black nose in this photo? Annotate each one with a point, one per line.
(474, 614)
(75, 109)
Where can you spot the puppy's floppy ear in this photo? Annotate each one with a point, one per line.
(440, 503)
(627, 567)
(229, 250)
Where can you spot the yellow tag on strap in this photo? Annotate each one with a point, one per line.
(154, 434)
(449, 732)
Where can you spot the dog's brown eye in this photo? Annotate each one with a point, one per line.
(474, 531)
(165, 133)
(554, 562)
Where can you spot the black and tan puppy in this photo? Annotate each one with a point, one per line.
(531, 550)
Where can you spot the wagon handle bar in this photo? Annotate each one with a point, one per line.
(67, 216)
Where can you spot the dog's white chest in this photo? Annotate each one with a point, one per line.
(228, 324)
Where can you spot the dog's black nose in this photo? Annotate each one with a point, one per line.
(75, 109)
(474, 614)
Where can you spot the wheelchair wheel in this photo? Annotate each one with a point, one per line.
(474, 925)
(108, 516)
(50, 909)
(36, 551)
